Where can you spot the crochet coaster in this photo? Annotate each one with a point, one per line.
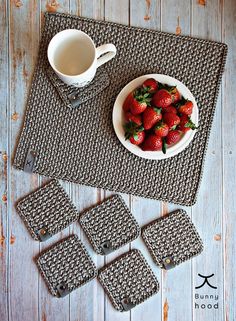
(73, 97)
(80, 145)
(172, 239)
(128, 280)
(109, 225)
(47, 211)
(66, 266)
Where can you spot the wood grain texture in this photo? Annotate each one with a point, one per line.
(207, 213)
(23, 44)
(4, 162)
(57, 309)
(84, 197)
(176, 284)
(23, 293)
(117, 11)
(229, 159)
(146, 14)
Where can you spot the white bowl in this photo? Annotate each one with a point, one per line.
(118, 118)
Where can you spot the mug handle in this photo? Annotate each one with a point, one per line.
(109, 50)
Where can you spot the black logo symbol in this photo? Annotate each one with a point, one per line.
(29, 163)
(206, 281)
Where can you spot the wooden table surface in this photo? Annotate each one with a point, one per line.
(23, 293)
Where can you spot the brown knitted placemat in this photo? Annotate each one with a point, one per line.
(80, 144)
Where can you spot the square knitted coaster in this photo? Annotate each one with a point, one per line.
(109, 225)
(80, 145)
(73, 97)
(66, 266)
(128, 280)
(172, 239)
(47, 211)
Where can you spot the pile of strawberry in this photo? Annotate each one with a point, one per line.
(156, 115)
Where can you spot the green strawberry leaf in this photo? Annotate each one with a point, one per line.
(171, 88)
(166, 87)
(164, 145)
(190, 124)
(135, 137)
(140, 129)
(157, 110)
(159, 125)
(181, 102)
(146, 89)
(131, 130)
(161, 86)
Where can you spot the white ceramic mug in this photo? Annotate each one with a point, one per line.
(74, 58)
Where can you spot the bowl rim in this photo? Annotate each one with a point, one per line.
(118, 117)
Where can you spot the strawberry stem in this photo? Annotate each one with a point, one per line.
(164, 145)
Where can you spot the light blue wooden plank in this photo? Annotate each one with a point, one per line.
(207, 213)
(146, 211)
(175, 18)
(51, 308)
(146, 14)
(229, 160)
(91, 308)
(88, 302)
(23, 276)
(116, 11)
(110, 312)
(90, 9)
(4, 162)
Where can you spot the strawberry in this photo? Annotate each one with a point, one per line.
(134, 133)
(151, 85)
(152, 143)
(133, 118)
(162, 98)
(187, 108)
(173, 137)
(161, 129)
(186, 124)
(127, 102)
(170, 109)
(176, 95)
(140, 101)
(138, 138)
(171, 119)
(151, 116)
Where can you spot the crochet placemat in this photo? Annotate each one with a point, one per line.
(66, 266)
(128, 280)
(80, 144)
(109, 225)
(172, 239)
(47, 211)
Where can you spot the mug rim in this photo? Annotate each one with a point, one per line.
(75, 31)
